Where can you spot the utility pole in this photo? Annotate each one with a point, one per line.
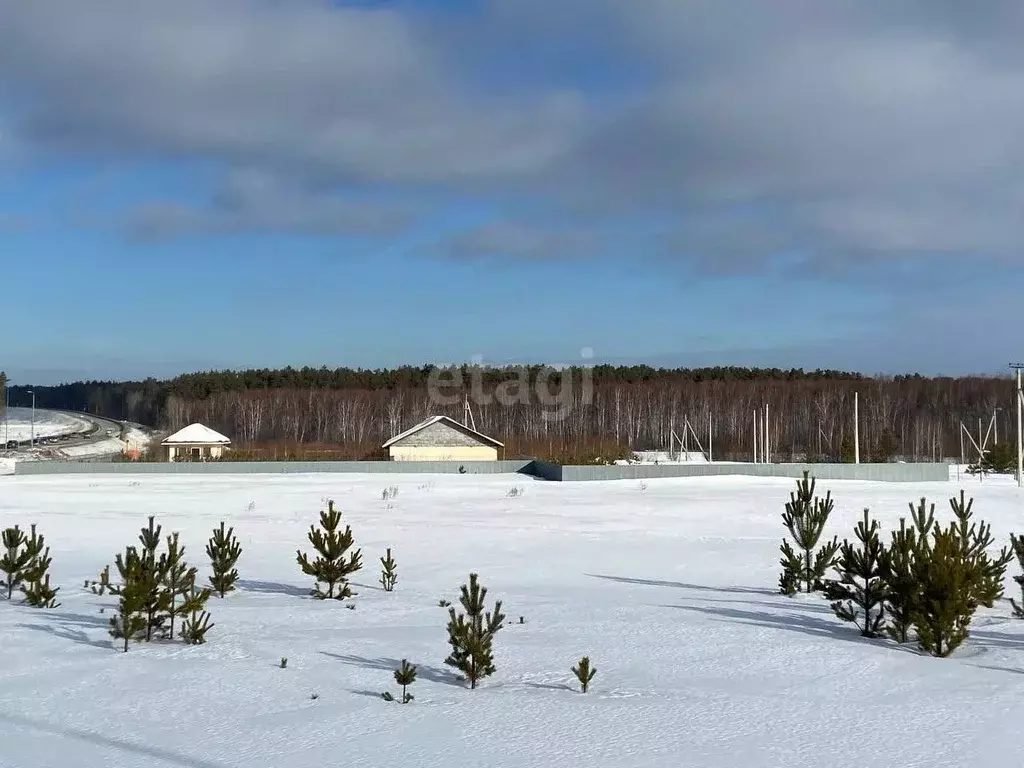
(33, 433)
(856, 427)
(710, 431)
(767, 444)
(1020, 444)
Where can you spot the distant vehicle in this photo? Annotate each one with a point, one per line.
(12, 444)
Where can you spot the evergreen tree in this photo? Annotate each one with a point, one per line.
(985, 573)
(847, 452)
(130, 622)
(584, 673)
(223, 550)
(903, 592)
(154, 572)
(860, 594)
(805, 518)
(405, 676)
(1017, 542)
(37, 588)
(389, 572)
(19, 551)
(471, 634)
(1001, 458)
(944, 609)
(955, 575)
(331, 566)
(178, 579)
(195, 627)
(886, 447)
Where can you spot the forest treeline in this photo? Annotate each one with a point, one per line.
(574, 413)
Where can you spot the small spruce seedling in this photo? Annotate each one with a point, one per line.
(584, 673)
(284, 662)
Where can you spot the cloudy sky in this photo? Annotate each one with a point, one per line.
(188, 185)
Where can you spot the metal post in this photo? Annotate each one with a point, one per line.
(1020, 444)
(856, 427)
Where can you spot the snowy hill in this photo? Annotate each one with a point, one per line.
(670, 590)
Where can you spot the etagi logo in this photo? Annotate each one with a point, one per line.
(557, 388)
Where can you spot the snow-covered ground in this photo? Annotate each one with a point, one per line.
(669, 587)
(18, 425)
(106, 447)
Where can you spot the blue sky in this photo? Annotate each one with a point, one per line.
(373, 184)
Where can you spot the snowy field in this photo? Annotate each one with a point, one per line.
(18, 425)
(669, 587)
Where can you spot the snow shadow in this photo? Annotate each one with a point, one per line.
(550, 686)
(998, 640)
(792, 621)
(73, 626)
(367, 586)
(385, 664)
(273, 588)
(684, 585)
(164, 755)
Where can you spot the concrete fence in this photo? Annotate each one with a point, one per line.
(892, 473)
(268, 467)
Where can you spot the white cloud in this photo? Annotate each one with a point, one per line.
(843, 130)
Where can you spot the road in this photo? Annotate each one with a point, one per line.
(99, 429)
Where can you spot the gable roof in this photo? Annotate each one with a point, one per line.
(196, 433)
(448, 422)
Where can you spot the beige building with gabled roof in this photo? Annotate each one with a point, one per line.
(441, 438)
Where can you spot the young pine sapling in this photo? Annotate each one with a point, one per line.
(584, 673)
(405, 676)
(859, 595)
(154, 572)
(1017, 542)
(389, 572)
(471, 634)
(223, 550)
(178, 579)
(38, 591)
(984, 572)
(903, 592)
(18, 553)
(805, 518)
(195, 627)
(130, 620)
(331, 567)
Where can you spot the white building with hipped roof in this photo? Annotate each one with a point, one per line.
(196, 442)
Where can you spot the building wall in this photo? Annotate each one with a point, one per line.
(437, 435)
(184, 449)
(443, 453)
